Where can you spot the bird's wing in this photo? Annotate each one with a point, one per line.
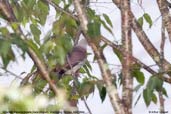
(75, 60)
(77, 55)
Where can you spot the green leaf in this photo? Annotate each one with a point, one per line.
(66, 43)
(88, 65)
(35, 48)
(48, 47)
(55, 51)
(52, 61)
(86, 88)
(4, 30)
(137, 87)
(66, 80)
(41, 11)
(155, 83)
(36, 32)
(9, 57)
(81, 70)
(147, 95)
(159, 84)
(151, 83)
(59, 52)
(137, 100)
(102, 89)
(164, 92)
(118, 54)
(103, 46)
(19, 105)
(108, 19)
(106, 27)
(29, 3)
(65, 83)
(148, 19)
(94, 29)
(6, 52)
(91, 13)
(38, 84)
(103, 93)
(43, 6)
(154, 98)
(87, 70)
(120, 79)
(69, 21)
(19, 42)
(67, 25)
(140, 21)
(14, 25)
(139, 76)
(5, 46)
(56, 2)
(136, 66)
(20, 14)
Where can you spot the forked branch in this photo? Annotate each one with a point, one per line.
(106, 74)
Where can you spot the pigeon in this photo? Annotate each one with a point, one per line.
(74, 60)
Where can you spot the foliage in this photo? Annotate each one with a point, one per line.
(24, 30)
(22, 100)
(154, 84)
(147, 18)
(136, 72)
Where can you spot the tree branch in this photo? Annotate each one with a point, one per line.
(163, 6)
(7, 10)
(77, 36)
(127, 91)
(81, 15)
(61, 10)
(8, 72)
(143, 38)
(135, 60)
(163, 38)
(69, 13)
(111, 89)
(142, 33)
(87, 106)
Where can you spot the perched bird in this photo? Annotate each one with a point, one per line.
(74, 60)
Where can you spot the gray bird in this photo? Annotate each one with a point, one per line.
(75, 59)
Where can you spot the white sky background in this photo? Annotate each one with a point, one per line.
(110, 9)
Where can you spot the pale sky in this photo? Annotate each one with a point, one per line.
(94, 101)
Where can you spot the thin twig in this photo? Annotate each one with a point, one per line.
(147, 68)
(143, 38)
(90, 112)
(163, 38)
(164, 9)
(26, 79)
(61, 9)
(13, 74)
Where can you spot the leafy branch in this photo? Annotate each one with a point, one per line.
(111, 89)
(7, 10)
